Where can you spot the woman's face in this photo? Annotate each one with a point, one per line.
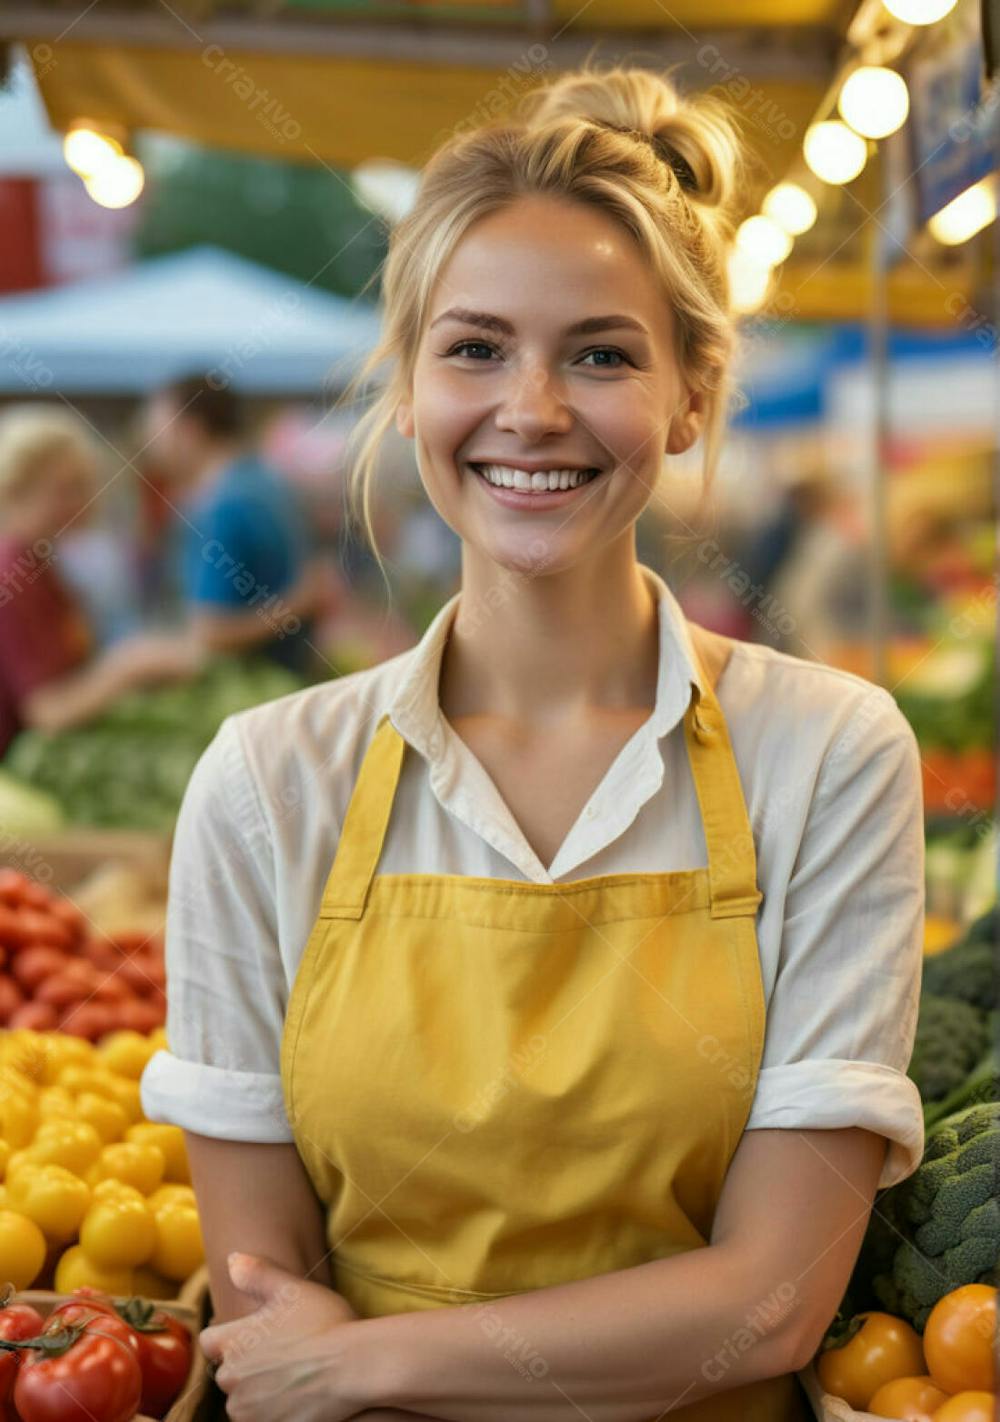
(525, 391)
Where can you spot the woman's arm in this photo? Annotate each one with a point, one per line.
(258, 1199)
(621, 1347)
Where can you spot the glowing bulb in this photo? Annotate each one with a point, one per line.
(965, 215)
(86, 150)
(763, 242)
(874, 101)
(116, 184)
(834, 152)
(791, 207)
(748, 282)
(919, 12)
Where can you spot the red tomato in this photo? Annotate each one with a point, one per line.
(72, 983)
(138, 1015)
(12, 886)
(164, 1354)
(89, 1020)
(112, 988)
(84, 1302)
(38, 927)
(36, 896)
(37, 1017)
(11, 998)
(134, 941)
(101, 952)
(33, 965)
(68, 913)
(16, 1321)
(95, 1377)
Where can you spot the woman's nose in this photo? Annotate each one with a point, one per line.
(533, 405)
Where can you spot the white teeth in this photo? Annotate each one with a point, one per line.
(540, 481)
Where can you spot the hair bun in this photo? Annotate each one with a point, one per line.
(696, 135)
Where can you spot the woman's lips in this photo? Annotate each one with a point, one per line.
(529, 499)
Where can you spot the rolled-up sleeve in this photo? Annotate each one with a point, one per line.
(842, 1014)
(226, 989)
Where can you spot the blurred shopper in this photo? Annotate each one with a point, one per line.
(48, 675)
(246, 574)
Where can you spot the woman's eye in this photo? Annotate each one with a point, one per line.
(465, 345)
(608, 351)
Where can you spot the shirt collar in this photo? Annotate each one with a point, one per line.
(415, 710)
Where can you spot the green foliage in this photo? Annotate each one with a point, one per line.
(940, 1228)
(969, 970)
(130, 767)
(951, 1037)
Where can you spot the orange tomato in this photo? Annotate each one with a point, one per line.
(968, 1407)
(911, 1399)
(883, 1349)
(958, 1339)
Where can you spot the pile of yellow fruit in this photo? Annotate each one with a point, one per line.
(91, 1192)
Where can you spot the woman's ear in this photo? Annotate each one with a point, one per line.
(686, 424)
(404, 418)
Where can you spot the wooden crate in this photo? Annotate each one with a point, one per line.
(61, 859)
(191, 1307)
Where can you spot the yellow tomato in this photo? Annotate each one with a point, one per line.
(150, 1285)
(76, 1271)
(76, 1078)
(909, 1399)
(126, 1093)
(28, 1053)
(107, 1117)
(4, 1157)
(158, 1038)
(883, 1348)
(18, 1112)
(65, 1051)
(126, 1053)
(22, 1249)
(171, 1194)
(56, 1101)
(974, 1406)
(958, 1339)
(3, 1197)
(133, 1163)
(118, 1230)
(74, 1144)
(179, 1248)
(52, 1196)
(170, 1139)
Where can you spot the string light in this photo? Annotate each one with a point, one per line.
(965, 215)
(919, 12)
(834, 152)
(763, 242)
(86, 150)
(117, 183)
(791, 207)
(874, 101)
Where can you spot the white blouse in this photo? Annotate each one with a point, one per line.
(831, 776)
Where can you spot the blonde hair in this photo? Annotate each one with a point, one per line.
(29, 436)
(667, 168)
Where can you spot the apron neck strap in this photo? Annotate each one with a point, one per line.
(732, 862)
(363, 831)
(732, 859)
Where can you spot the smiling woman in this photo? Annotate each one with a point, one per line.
(541, 999)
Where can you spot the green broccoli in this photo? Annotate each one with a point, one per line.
(939, 1228)
(969, 970)
(951, 1038)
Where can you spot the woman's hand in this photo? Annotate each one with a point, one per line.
(281, 1359)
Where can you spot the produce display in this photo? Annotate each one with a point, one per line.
(92, 1193)
(56, 973)
(881, 1366)
(130, 766)
(92, 1359)
(948, 699)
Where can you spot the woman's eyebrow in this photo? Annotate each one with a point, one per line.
(587, 326)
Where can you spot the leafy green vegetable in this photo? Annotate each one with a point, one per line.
(982, 1083)
(130, 767)
(969, 970)
(24, 810)
(939, 1228)
(951, 1037)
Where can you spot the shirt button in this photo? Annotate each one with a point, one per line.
(590, 812)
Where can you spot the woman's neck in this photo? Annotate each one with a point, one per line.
(543, 648)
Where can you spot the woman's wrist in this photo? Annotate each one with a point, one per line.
(373, 1363)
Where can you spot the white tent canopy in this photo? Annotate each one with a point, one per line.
(199, 311)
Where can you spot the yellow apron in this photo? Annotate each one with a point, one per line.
(498, 1086)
